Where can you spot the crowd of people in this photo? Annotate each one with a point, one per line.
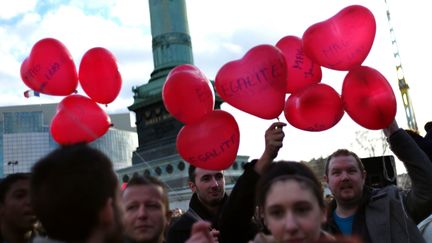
(73, 195)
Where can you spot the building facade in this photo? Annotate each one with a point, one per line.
(25, 138)
(173, 171)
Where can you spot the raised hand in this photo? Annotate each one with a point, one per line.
(274, 136)
(201, 233)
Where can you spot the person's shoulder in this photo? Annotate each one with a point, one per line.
(40, 239)
(183, 222)
(263, 238)
(383, 192)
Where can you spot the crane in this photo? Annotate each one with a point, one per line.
(403, 86)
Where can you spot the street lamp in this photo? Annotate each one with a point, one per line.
(13, 163)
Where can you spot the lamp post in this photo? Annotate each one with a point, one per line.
(13, 163)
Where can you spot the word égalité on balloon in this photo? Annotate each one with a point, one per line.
(215, 152)
(264, 77)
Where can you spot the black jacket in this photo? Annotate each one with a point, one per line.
(234, 218)
(180, 231)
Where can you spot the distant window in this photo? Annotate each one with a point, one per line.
(158, 170)
(125, 178)
(169, 169)
(181, 166)
(235, 166)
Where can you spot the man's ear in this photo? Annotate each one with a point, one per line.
(325, 178)
(168, 216)
(106, 213)
(364, 176)
(192, 186)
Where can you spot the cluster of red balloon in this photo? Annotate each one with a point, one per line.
(258, 83)
(50, 69)
(343, 42)
(210, 138)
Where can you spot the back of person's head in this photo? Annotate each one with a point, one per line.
(283, 170)
(9, 181)
(343, 152)
(428, 127)
(69, 187)
(148, 180)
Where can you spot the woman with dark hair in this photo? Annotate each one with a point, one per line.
(291, 204)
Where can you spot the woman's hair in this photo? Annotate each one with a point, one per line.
(289, 170)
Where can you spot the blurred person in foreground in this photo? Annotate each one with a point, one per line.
(75, 195)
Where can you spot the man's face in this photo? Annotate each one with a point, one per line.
(209, 186)
(16, 210)
(145, 215)
(345, 179)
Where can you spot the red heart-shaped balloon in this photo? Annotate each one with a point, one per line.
(368, 98)
(317, 107)
(343, 41)
(49, 69)
(99, 75)
(301, 70)
(212, 143)
(79, 119)
(256, 83)
(187, 94)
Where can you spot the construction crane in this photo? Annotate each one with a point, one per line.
(403, 86)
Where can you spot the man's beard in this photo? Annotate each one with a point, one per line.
(215, 202)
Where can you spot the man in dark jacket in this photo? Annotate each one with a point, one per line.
(379, 215)
(209, 201)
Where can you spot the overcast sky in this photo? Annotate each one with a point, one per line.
(221, 31)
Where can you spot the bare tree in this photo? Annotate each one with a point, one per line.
(371, 142)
